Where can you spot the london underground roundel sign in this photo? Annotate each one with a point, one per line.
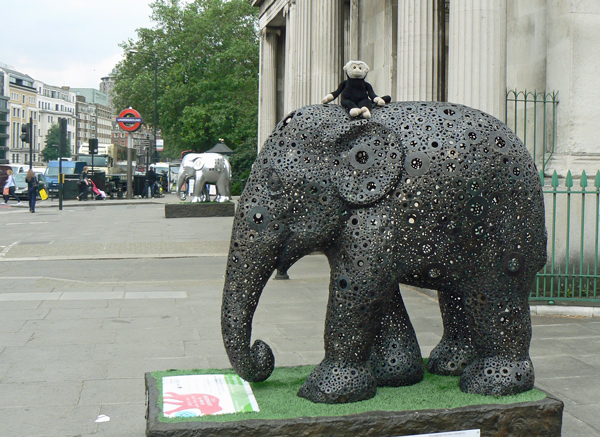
(130, 120)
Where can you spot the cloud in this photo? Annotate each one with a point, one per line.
(69, 42)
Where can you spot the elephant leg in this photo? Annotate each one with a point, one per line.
(455, 350)
(396, 357)
(345, 374)
(498, 311)
(358, 295)
(223, 188)
(199, 189)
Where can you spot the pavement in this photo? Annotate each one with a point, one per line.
(96, 294)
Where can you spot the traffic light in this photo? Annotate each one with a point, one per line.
(26, 133)
(93, 147)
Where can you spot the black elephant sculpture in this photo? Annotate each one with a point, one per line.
(432, 194)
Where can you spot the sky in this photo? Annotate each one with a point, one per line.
(69, 42)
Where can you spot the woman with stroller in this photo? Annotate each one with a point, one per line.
(83, 184)
(9, 188)
(32, 185)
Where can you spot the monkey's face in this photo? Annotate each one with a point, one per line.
(356, 69)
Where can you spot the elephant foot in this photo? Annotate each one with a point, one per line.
(397, 365)
(450, 358)
(498, 376)
(282, 275)
(337, 383)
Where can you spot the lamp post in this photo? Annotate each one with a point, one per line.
(155, 95)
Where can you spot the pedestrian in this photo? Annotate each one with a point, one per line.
(83, 184)
(32, 189)
(150, 181)
(9, 188)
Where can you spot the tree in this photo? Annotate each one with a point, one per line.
(241, 165)
(50, 151)
(207, 54)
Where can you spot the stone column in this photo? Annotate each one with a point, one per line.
(267, 103)
(291, 24)
(354, 31)
(326, 62)
(573, 62)
(477, 55)
(419, 50)
(303, 43)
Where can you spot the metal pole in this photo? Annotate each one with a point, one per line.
(155, 103)
(30, 142)
(129, 175)
(60, 176)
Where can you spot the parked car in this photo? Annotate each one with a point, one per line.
(21, 184)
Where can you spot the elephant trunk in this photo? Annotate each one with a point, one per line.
(245, 280)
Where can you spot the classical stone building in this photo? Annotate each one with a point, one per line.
(463, 51)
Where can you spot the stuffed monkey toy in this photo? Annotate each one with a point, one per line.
(357, 94)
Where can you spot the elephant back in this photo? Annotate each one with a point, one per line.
(457, 180)
(470, 187)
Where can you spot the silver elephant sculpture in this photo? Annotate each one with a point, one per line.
(430, 194)
(205, 168)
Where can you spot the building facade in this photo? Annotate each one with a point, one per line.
(94, 116)
(53, 103)
(22, 109)
(106, 86)
(4, 120)
(462, 51)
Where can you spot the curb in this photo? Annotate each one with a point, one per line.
(538, 310)
(569, 311)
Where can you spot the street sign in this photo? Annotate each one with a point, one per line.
(160, 145)
(130, 120)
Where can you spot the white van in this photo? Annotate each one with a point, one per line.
(19, 168)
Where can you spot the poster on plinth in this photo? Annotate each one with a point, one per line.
(201, 395)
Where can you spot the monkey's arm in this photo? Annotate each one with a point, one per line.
(334, 95)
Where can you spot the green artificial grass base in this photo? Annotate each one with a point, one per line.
(277, 397)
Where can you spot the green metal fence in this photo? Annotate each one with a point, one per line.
(573, 223)
(532, 116)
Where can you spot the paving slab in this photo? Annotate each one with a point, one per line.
(112, 391)
(132, 292)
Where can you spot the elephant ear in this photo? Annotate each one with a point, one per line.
(198, 163)
(368, 161)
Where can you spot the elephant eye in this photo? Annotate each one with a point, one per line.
(274, 182)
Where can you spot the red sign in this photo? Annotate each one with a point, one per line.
(130, 120)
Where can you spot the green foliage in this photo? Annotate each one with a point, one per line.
(50, 152)
(207, 58)
(241, 165)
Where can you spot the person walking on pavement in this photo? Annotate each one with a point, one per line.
(9, 188)
(150, 181)
(32, 185)
(83, 184)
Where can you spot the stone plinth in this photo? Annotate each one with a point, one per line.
(200, 209)
(539, 418)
